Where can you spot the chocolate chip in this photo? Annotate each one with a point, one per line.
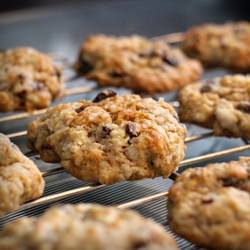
(105, 132)
(244, 107)
(207, 200)
(206, 88)
(143, 55)
(228, 182)
(21, 92)
(104, 95)
(151, 161)
(80, 109)
(58, 73)
(84, 67)
(170, 61)
(21, 77)
(115, 74)
(131, 130)
(140, 245)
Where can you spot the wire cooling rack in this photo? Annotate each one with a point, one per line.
(148, 196)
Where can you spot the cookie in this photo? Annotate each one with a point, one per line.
(137, 63)
(210, 206)
(86, 226)
(29, 80)
(225, 45)
(112, 138)
(222, 104)
(20, 179)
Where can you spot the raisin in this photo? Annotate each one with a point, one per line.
(170, 61)
(84, 67)
(206, 88)
(131, 130)
(104, 95)
(207, 200)
(105, 132)
(244, 107)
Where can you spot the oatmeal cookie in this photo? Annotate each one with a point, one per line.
(20, 179)
(86, 226)
(137, 63)
(111, 139)
(29, 80)
(222, 104)
(210, 206)
(225, 45)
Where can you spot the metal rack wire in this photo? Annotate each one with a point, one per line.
(81, 190)
(90, 188)
(184, 163)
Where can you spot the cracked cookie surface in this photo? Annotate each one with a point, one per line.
(225, 45)
(86, 226)
(114, 138)
(20, 179)
(222, 104)
(137, 63)
(29, 80)
(210, 206)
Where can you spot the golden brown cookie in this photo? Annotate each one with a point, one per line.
(29, 80)
(111, 139)
(20, 179)
(225, 45)
(83, 227)
(210, 206)
(222, 104)
(137, 63)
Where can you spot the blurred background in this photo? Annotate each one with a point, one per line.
(60, 25)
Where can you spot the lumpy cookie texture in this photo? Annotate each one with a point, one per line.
(137, 63)
(86, 226)
(29, 80)
(210, 206)
(113, 138)
(20, 179)
(222, 104)
(225, 45)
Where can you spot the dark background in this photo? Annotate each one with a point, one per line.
(60, 26)
(238, 6)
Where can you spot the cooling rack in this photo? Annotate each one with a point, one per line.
(148, 196)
